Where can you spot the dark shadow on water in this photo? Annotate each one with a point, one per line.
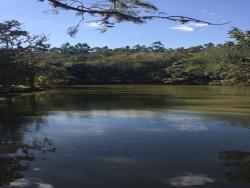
(237, 165)
(17, 150)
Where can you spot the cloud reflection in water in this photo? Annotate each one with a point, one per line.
(190, 180)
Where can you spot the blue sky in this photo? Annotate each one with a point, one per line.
(31, 14)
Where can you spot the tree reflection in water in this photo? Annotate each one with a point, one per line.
(237, 165)
(18, 149)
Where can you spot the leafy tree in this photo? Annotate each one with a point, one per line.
(241, 38)
(209, 45)
(20, 51)
(29, 60)
(158, 46)
(238, 50)
(11, 35)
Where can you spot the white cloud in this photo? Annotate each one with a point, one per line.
(189, 27)
(183, 28)
(94, 24)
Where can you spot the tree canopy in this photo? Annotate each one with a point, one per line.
(28, 60)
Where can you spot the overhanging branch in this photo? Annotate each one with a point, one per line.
(110, 16)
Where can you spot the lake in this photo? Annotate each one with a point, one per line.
(126, 137)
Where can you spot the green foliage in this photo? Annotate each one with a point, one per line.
(37, 65)
(11, 35)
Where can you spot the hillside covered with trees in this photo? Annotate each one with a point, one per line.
(28, 62)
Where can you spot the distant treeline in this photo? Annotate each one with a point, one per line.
(29, 61)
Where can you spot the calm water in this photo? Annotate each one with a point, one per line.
(126, 137)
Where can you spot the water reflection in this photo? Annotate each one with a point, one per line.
(190, 180)
(237, 165)
(125, 137)
(21, 141)
(27, 183)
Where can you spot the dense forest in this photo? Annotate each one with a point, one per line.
(28, 62)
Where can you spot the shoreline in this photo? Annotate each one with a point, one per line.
(17, 91)
(12, 91)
